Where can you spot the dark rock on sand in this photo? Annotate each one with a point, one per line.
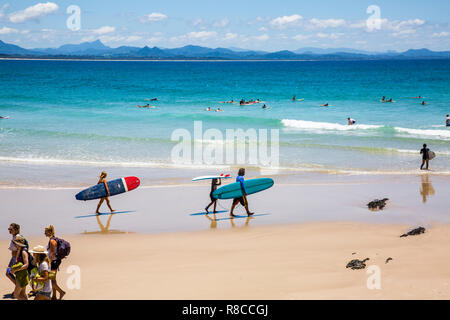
(414, 232)
(389, 259)
(377, 204)
(357, 264)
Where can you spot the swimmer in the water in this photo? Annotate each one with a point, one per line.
(424, 103)
(351, 121)
(324, 105)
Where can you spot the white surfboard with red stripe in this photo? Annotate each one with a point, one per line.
(223, 176)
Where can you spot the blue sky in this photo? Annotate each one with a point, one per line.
(258, 25)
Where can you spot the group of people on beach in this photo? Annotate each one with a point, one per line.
(36, 267)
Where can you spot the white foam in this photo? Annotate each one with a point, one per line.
(136, 164)
(312, 125)
(425, 132)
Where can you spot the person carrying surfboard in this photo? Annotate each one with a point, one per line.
(242, 200)
(214, 184)
(425, 152)
(102, 179)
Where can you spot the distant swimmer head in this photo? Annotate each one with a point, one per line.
(103, 174)
(241, 172)
(50, 231)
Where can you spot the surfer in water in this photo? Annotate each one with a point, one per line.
(425, 152)
(293, 98)
(214, 184)
(424, 103)
(447, 121)
(351, 121)
(102, 179)
(324, 105)
(242, 200)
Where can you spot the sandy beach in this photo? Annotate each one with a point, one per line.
(161, 245)
(276, 262)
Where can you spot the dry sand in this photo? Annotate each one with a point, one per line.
(301, 261)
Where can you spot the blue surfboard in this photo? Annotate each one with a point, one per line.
(115, 187)
(234, 190)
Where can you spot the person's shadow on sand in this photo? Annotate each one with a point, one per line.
(8, 296)
(426, 188)
(103, 229)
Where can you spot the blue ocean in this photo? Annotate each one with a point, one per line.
(84, 112)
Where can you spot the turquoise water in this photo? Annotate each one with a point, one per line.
(72, 112)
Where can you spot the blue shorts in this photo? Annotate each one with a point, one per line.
(12, 262)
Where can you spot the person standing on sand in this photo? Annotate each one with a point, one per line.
(55, 262)
(103, 180)
(42, 262)
(21, 273)
(243, 199)
(14, 230)
(425, 152)
(214, 184)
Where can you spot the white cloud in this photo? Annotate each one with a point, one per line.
(263, 37)
(155, 16)
(202, 35)
(441, 34)
(403, 33)
(133, 38)
(300, 37)
(104, 30)
(262, 29)
(329, 35)
(154, 39)
(6, 30)
(326, 23)
(221, 24)
(197, 22)
(3, 9)
(33, 12)
(282, 22)
(230, 36)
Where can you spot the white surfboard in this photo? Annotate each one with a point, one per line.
(7, 117)
(432, 155)
(223, 176)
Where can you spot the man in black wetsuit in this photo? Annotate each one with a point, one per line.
(425, 156)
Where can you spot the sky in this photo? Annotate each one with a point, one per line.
(250, 24)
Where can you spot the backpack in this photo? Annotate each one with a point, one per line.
(62, 248)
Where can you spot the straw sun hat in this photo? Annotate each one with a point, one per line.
(20, 241)
(39, 250)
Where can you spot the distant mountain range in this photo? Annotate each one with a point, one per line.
(97, 50)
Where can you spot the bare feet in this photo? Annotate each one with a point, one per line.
(206, 209)
(113, 210)
(232, 215)
(250, 213)
(61, 295)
